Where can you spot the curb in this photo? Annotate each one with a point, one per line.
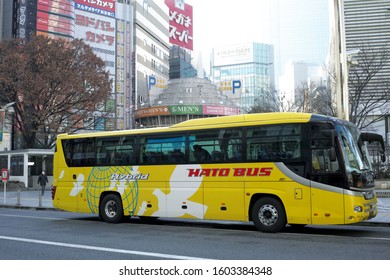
(40, 208)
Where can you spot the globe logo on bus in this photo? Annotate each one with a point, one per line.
(103, 179)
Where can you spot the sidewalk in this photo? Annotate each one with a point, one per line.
(31, 199)
(26, 199)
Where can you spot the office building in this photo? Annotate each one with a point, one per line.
(252, 64)
(180, 63)
(367, 26)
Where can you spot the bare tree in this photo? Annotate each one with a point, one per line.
(315, 98)
(57, 85)
(369, 89)
(273, 100)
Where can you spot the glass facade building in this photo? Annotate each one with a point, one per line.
(252, 64)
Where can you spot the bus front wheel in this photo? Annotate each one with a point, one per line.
(268, 215)
(111, 209)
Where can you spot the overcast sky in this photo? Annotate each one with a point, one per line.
(225, 22)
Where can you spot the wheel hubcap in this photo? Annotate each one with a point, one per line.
(111, 209)
(268, 215)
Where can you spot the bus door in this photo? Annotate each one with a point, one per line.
(326, 177)
(85, 189)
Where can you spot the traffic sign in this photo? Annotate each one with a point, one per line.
(4, 175)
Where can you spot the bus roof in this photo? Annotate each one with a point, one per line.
(213, 122)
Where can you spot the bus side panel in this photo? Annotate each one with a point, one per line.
(152, 199)
(224, 200)
(66, 197)
(297, 202)
(170, 192)
(294, 197)
(327, 206)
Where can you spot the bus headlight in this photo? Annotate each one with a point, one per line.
(358, 209)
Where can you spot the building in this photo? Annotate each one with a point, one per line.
(151, 50)
(250, 63)
(6, 19)
(298, 75)
(185, 99)
(367, 24)
(180, 63)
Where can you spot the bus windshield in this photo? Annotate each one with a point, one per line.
(354, 149)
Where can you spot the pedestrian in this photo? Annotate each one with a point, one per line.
(42, 180)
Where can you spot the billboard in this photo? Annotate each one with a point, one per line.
(55, 18)
(180, 23)
(235, 54)
(100, 7)
(173, 110)
(99, 33)
(25, 18)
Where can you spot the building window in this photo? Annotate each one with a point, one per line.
(17, 166)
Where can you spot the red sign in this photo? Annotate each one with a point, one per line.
(54, 23)
(59, 7)
(4, 175)
(180, 23)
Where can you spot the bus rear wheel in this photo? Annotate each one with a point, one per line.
(111, 209)
(268, 215)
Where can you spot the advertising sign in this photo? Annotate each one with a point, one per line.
(59, 7)
(233, 86)
(186, 109)
(180, 23)
(54, 24)
(236, 54)
(152, 111)
(100, 7)
(99, 33)
(55, 17)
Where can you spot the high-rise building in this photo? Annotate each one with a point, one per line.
(6, 14)
(250, 63)
(180, 63)
(131, 36)
(367, 26)
(151, 50)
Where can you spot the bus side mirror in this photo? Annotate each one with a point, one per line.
(374, 137)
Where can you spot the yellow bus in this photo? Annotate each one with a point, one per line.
(272, 169)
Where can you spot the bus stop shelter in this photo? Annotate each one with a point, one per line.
(24, 166)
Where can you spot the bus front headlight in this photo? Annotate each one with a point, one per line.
(358, 209)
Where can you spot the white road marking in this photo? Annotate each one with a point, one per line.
(102, 249)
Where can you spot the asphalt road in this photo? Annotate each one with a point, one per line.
(56, 235)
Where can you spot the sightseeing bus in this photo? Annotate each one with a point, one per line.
(272, 169)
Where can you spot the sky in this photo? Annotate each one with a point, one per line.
(221, 22)
(299, 27)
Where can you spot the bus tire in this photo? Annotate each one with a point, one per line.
(268, 214)
(111, 209)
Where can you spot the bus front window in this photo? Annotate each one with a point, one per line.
(358, 166)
